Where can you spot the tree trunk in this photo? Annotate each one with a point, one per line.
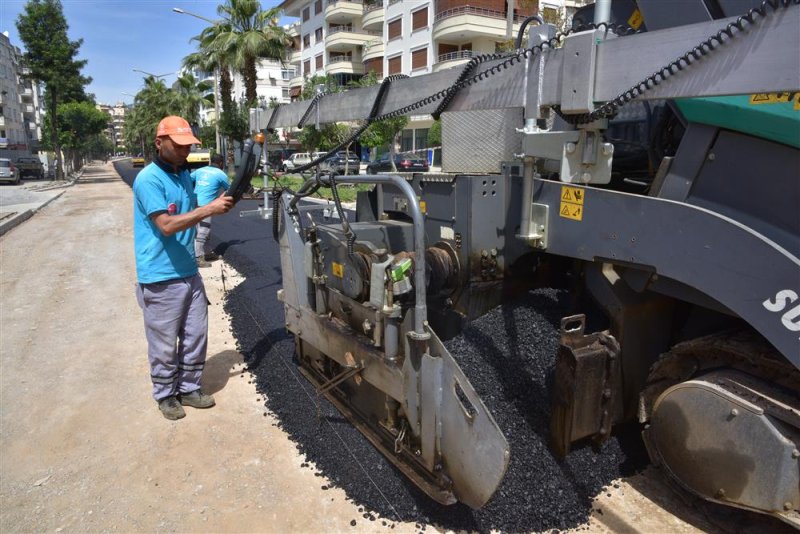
(393, 150)
(58, 174)
(226, 99)
(250, 82)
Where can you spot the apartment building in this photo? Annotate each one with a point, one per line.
(21, 103)
(115, 130)
(348, 38)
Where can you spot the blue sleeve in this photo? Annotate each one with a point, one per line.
(150, 195)
(223, 180)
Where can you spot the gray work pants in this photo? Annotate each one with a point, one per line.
(201, 239)
(176, 326)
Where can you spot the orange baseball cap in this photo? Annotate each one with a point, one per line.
(177, 129)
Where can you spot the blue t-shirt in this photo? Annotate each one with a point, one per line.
(208, 182)
(158, 257)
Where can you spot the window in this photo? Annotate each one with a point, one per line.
(306, 14)
(421, 138)
(318, 35)
(395, 65)
(318, 61)
(407, 141)
(395, 29)
(287, 74)
(374, 65)
(419, 59)
(285, 92)
(419, 19)
(307, 66)
(306, 40)
(318, 7)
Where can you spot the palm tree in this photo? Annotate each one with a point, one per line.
(209, 58)
(246, 34)
(191, 95)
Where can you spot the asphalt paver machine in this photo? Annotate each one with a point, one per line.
(647, 159)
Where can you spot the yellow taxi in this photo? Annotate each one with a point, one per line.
(137, 161)
(198, 157)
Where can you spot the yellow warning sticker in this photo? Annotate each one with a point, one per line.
(423, 207)
(571, 211)
(796, 106)
(571, 194)
(571, 203)
(636, 19)
(770, 98)
(338, 270)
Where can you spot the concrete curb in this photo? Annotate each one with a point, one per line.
(21, 217)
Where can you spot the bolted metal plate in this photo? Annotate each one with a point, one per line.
(724, 448)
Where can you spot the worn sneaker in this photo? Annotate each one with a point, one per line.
(211, 256)
(203, 263)
(171, 408)
(196, 399)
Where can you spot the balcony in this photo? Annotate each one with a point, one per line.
(343, 11)
(373, 16)
(297, 81)
(26, 93)
(2, 120)
(28, 109)
(294, 56)
(452, 59)
(343, 65)
(344, 38)
(465, 23)
(373, 49)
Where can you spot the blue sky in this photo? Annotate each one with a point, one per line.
(121, 35)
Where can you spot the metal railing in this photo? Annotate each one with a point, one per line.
(373, 6)
(349, 29)
(340, 59)
(459, 54)
(471, 10)
(334, 2)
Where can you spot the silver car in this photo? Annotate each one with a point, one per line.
(8, 172)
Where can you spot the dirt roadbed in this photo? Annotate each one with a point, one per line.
(83, 446)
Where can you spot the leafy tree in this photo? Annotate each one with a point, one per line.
(236, 126)
(51, 58)
(435, 134)
(385, 132)
(79, 123)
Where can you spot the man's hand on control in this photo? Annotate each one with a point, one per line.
(221, 204)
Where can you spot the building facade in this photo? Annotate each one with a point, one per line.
(115, 130)
(21, 111)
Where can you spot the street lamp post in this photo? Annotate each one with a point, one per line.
(156, 76)
(216, 75)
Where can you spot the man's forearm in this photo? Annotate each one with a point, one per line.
(172, 224)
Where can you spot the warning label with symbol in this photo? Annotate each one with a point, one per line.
(572, 203)
(338, 270)
(770, 98)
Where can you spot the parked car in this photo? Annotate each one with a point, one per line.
(8, 172)
(340, 163)
(30, 166)
(276, 157)
(137, 161)
(297, 159)
(403, 162)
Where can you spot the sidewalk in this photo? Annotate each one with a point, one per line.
(83, 446)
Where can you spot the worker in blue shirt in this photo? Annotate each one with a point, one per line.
(170, 290)
(209, 182)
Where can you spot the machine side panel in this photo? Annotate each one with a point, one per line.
(731, 263)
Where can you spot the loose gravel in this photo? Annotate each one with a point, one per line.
(508, 355)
